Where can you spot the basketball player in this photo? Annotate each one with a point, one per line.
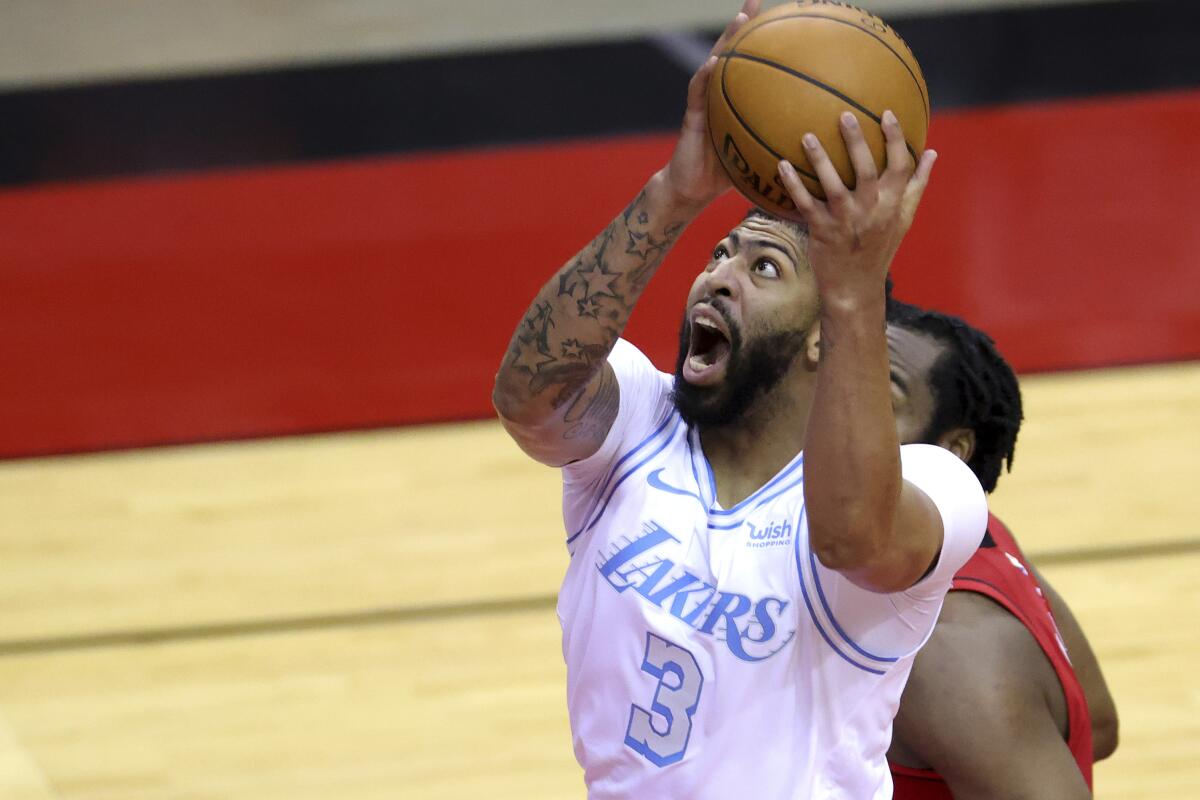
(754, 558)
(994, 707)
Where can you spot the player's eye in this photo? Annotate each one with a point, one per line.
(766, 268)
(720, 253)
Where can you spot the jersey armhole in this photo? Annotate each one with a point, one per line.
(644, 417)
(968, 583)
(914, 772)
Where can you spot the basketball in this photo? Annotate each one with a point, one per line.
(794, 70)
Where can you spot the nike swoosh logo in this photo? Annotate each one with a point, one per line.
(657, 483)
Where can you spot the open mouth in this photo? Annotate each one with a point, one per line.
(709, 348)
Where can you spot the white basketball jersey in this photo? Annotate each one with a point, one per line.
(709, 653)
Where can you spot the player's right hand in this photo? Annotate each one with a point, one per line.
(695, 175)
(854, 233)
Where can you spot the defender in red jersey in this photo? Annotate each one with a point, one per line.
(1006, 699)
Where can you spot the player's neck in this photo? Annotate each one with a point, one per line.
(746, 455)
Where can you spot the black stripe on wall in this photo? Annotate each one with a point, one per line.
(547, 93)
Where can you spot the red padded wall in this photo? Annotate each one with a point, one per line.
(383, 291)
(1067, 230)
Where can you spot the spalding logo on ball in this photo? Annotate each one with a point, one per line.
(794, 70)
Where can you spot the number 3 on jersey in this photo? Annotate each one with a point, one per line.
(661, 734)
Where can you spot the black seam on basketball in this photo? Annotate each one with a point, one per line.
(824, 86)
(924, 94)
(753, 134)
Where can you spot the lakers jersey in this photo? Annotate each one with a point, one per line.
(709, 653)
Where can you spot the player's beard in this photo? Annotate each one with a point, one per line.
(754, 367)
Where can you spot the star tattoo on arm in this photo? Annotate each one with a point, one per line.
(573, 323)
(527, 356)
(572, 348)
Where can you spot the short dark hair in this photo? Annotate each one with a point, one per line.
(973, 387)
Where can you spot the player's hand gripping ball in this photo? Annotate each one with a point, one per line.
(794, 70)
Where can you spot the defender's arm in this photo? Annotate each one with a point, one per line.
(1101, 707)
(975, 709)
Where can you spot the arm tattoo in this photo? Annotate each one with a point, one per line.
(577, 317)
(590, 416)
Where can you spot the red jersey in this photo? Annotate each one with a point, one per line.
(999, 571)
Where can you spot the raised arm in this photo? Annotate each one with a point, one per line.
(864, 520)
(555, 392)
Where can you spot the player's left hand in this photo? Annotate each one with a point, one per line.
(695, 175)
(854, 233)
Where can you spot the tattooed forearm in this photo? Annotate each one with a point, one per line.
(650, 249)
(593, 409)
(576, 318)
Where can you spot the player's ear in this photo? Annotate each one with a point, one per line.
(960, 441)
(812, 347)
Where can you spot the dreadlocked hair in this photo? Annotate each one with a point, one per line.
(973, 387)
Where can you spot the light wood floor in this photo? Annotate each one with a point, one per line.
(370, 615)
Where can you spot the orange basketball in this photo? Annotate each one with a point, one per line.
(794, 70)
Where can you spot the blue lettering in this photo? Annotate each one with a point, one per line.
(690, 617)
(694, 600)
(778, 530)
(652, 538)
(661, 568)
(733, 636)
(720, 609)
(662, 595)
(679, 591)
(763, 615)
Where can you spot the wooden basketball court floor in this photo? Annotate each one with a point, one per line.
(370, 615)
